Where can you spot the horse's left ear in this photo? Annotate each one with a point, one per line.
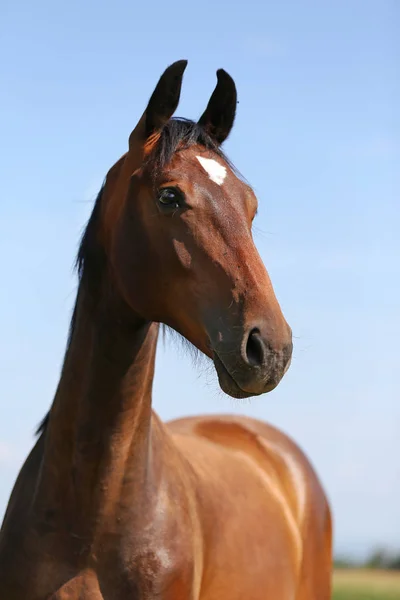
(219, 116)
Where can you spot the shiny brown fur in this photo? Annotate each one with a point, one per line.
(113, 504)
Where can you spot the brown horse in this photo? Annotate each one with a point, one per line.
(113, 504)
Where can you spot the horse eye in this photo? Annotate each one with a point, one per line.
(170, 197)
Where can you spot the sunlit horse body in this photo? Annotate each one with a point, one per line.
(113, 504)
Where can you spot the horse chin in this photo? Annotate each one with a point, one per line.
(227, 384)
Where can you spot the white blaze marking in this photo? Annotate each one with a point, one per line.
(216, 172)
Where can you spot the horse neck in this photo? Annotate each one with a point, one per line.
(97, 440)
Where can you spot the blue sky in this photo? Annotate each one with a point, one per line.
(317, 135)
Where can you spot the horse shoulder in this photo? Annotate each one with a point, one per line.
(287, 470)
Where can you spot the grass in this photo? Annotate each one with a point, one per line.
(366, 585)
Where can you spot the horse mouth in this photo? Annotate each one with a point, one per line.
(227, 383)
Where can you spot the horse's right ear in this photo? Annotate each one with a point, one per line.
(162, 104)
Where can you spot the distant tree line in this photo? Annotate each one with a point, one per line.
(380, 558)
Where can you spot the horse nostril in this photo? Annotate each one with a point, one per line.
(255, 351)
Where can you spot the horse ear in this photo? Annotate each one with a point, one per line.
(219, 116)
(165, 98)
(162, 104)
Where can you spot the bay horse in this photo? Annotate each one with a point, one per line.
(113, 504)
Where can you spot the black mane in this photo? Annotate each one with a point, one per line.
(177, 134)
(90, 258)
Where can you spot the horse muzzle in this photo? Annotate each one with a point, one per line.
(253, 366)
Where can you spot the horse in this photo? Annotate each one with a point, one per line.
(114, 504)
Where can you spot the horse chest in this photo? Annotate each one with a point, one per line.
(143, 582)
(119, 570)
(156, 570)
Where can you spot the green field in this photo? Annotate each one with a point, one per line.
(366, 585)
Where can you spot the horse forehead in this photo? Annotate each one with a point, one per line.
(204, 169)
(215, 170)
(211, 171)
